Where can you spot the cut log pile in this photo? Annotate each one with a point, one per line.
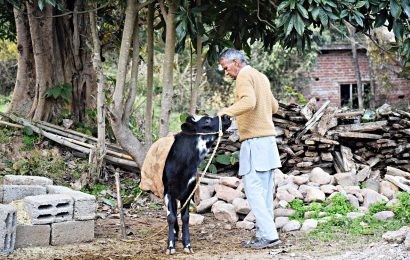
(340, 143)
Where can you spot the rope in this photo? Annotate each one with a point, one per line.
(220, 134)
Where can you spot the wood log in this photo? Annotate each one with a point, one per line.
(362, 127)
(309, 124)
(399, 181)
(397, 172)
(359, 135)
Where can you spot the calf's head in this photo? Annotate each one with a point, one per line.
(205, 124)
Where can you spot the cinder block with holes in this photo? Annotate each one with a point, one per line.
(8, 224)
(49, 208)
(10, 193)
(85, 204)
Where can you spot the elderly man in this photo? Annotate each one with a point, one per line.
(253, 108)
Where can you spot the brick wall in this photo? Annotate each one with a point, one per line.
(336, 67)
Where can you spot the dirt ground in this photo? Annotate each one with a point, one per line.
(211, 240)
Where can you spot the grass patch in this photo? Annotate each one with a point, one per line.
(336, 224)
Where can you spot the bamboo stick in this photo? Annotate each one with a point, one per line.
(66, 141)
(120, 209)
(10, 124)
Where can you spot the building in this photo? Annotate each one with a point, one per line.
(333, 78)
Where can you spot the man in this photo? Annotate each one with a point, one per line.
(253, 108)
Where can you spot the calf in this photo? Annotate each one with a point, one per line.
(179, 178)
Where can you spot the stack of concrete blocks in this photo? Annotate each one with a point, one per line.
(43, 214)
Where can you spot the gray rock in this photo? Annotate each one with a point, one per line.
(227, 194)
(295, 192)
(292, 225)
(309, 225)
(250, 217)
(232, 182)
(304, 188)
(241, 206)
(196, 219)
(224, 211)
(370, 197)
(407, 242)
(284, 195)
(388, 189)
(354, 215)
(281, 221)
(283, 212)
(204, 193)
(283, 204)
(384, 215)
(318, 175)
(353, 200)
(328, 189)
(302, 179)
(397, 236)
(346, 179)
(313, 195)
(245, 225)
(205, 205)
(392, 202)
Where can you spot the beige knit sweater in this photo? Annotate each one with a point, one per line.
(254, 105)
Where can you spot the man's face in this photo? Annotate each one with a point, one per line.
(231, 68)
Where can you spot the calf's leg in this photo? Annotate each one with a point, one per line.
(170, 203)
(185, 230)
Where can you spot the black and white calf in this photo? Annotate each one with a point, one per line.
(179, 178)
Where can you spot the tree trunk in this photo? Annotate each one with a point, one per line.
(61, 56)
(120, 128)
(150, 75)
(167, 79)
(24, 88)
(198, 79)
(40, 30)
(352, 32)
(100, 152)
(371, 76)
(132, 93)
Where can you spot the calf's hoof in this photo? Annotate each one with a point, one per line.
(171, 251)
(188, 250)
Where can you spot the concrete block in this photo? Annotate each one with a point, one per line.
(7, 228)
(17, 192)
(85, 204)
(33, 235)
(54, 189)
(72, 232)
(26, 180)
(49, 208)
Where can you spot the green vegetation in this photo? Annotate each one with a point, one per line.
(336, 223)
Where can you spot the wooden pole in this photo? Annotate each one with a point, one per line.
(120, 209)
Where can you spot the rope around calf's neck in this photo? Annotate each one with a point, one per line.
(220, 134)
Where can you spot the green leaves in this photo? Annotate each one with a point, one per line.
(395, 9)
(60, 91)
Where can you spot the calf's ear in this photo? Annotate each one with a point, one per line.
(187, 127)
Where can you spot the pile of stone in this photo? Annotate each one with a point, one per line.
(34, 212)
(225, 198)
(335, 141)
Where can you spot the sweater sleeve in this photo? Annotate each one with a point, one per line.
(246, 98)
(275, 105)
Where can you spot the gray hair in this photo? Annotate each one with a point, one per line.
(232, 54)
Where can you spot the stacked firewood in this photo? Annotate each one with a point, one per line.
(339, 142)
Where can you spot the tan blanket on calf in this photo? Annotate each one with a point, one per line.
(154, 164)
